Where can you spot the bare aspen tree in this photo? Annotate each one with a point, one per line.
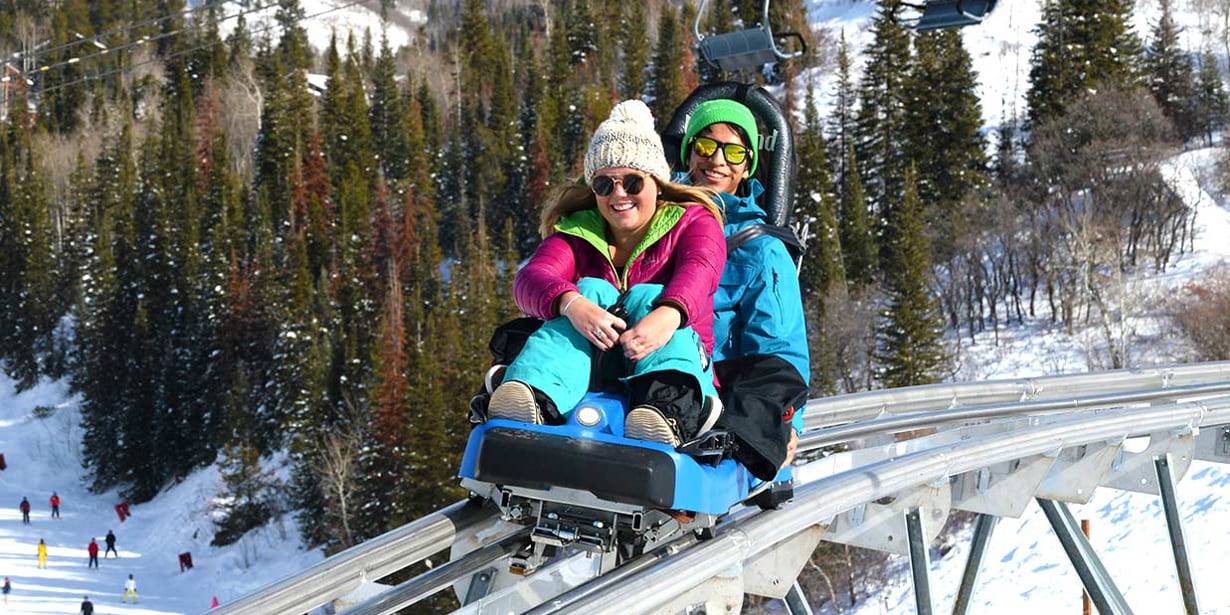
(1215, 19)
(242, 97)
(847, 334)
(1099, 166)
(338, 474)
(828, 583)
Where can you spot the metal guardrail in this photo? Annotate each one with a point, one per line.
(879, 411)
(817, 501)
(895, 423)
(376, 558)
(841, 409)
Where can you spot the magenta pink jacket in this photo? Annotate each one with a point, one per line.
(684, 250)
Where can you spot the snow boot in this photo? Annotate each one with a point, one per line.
(514, 401)
(647, 423)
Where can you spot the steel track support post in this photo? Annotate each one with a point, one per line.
(796, 602)
(1174, 524)
(1093, 574)
(918, 562)
(977, 550)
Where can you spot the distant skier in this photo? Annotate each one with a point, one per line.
(93, 549)
(8, 587)
(110, 539)
(130, 589)
(42, 553)
(55, 505)
(25, 511)
(87, 607)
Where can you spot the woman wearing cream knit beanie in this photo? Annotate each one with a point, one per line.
(627, 139)
(628, 236)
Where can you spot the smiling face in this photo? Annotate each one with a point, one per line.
(716, 172)
(627, 214)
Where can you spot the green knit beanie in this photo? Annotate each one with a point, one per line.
(718, 111)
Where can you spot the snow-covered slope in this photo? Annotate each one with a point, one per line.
(1025, 569)
(41, 449)
(1000, 46)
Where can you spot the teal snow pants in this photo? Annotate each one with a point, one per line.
(557, 359)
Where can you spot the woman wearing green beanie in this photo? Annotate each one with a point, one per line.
(760, 338)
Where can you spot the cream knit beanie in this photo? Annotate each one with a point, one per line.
(627, 139)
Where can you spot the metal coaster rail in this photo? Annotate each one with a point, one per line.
(974, 426)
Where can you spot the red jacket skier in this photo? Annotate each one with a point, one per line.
(93, 550)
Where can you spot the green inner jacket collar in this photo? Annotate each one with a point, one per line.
(589, 225)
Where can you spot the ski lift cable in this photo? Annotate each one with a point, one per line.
(97, 39)
(145, 40)
(190, 50)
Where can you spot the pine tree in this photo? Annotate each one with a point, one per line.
(105, 313)
(608, 44)
(559, 123)
(383, 460)
(433, 134)
(140, 339)
(1212, 103)
(321, 444)
(332, 118)
(668, 68)
(857, 228)
(815, 205)
(179, 390)
(910, 349)
(1168, 72)
(388, 136)
(249, 493)
(1082, 45)
(72, 257)
(881, 120)
(842, 119)
(481, 154)
(943, 121)
(63, 87)
(822, 267)
(209, 55)
(634, 40)
(28, 306)
(195, 389)
(426, 355)
(501, 152)
(581, 33)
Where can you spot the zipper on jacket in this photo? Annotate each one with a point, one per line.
(621, 281)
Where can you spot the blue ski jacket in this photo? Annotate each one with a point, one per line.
(759, 306)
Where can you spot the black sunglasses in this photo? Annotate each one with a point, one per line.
(604, 185)
(733, 152)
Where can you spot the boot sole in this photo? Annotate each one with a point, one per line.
(514, 401)
(648, 424)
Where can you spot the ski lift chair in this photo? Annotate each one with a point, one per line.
(938, 14)
(776, 169)
(742, 49)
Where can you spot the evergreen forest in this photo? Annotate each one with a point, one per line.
(245, 251)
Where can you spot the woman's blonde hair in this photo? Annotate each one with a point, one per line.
(578, 196)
